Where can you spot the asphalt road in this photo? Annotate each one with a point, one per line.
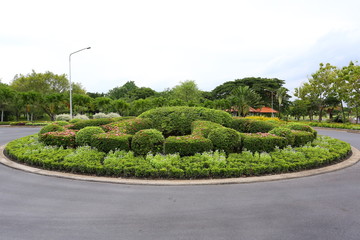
(319, 207)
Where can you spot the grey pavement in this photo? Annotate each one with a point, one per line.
(325, 206)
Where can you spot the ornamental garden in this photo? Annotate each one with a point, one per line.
(178, 143)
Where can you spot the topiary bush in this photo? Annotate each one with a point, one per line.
(302, 127)
(226, 139)
(63, 117)
(203, 128)
(106, 142)
(187, 145)
(129, 126)
(147, 140)
(64, 138)
(176, 121)
(301, 138)
(256, 126)
(92, 122)
(286, 133)
(51, 128)
(62, 123)
(85, 136)
(241, 124)
(262, 142)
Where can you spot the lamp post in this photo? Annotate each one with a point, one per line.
(71, 110)
(272, 101)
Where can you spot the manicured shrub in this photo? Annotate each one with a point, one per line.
(100, 115)
(51, 128)
(302, 127)
(62, 123)
(129, 126)
(147, 140)
(65, 138)
(92, 122)
(241, 124)
(187, 145)
(79, 117)
(176, 121)
(113, 115)
(111, 141)
(226, 139)
(302, 137)
(260, 126)
(203, 128)
(262, 142)
(85, 136)
(286, 133)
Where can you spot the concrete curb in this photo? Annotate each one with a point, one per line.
(354, 158)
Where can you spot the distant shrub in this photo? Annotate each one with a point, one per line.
(81, 117)
(262, 142)
(63, 117)
(187, 145)
(225, 139)
(113, 115)
(176, 121)
(286, 133)
(100, 115)
(147, 140)
(85, 136)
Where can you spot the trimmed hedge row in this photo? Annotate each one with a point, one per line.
(86, 160)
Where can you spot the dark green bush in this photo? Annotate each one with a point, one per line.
(64, 138)
(241, 124)
(147, 140)
(85, 136)
(51, 128)
(262, 142)
(257, 126)
(176, 121)
(203, 128)
(301, 138)
(92, 122)
(226, 139)
(62, 123)
(106, 142)
(286, 133)
(187, 145)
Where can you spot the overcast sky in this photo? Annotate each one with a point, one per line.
(158, 43)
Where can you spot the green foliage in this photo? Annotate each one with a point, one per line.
(65, 138)
(286, 133)
(203, 128)
(86, 160)
(85, 135)
(241, 124)
(62, 123)
(261, 126)
(225, 139)
(262, 142)
(243, 98)
(92, 122)
(302, 137)
(51, 128)
(148, 140)
(187, 91)
(129, 126)
(187, 145)
(111, 141)
(301, 127)
(177, 120)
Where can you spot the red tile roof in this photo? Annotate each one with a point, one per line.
(263, 110)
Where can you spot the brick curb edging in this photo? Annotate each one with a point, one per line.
(354, 158)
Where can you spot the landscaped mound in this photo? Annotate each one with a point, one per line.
(177, 142)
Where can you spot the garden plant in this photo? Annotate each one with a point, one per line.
(178, 143)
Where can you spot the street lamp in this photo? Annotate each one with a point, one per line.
(272, 101)
(71, 112)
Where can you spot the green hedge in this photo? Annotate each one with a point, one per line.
(251, 126)
(286, 133)
(226, 139)
(176, 121)
(111, 141)
(64, 138)
(302, 127)
(203, 128)
(51, 128)
(86, 160)
(129, 126)
(85, 135)
(147, 140)
(91, 123)
(301, 138)
(262, 142)
(187, 145)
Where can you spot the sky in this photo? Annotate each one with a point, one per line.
(159, 43)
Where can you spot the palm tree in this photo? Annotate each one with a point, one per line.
(243, 98)
(281, 95)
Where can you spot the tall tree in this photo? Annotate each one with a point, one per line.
(123, 91)
(243, 98)
(187, 91)
(6, 97)
(281, 95)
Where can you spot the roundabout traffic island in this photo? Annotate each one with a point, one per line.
(177, 144)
